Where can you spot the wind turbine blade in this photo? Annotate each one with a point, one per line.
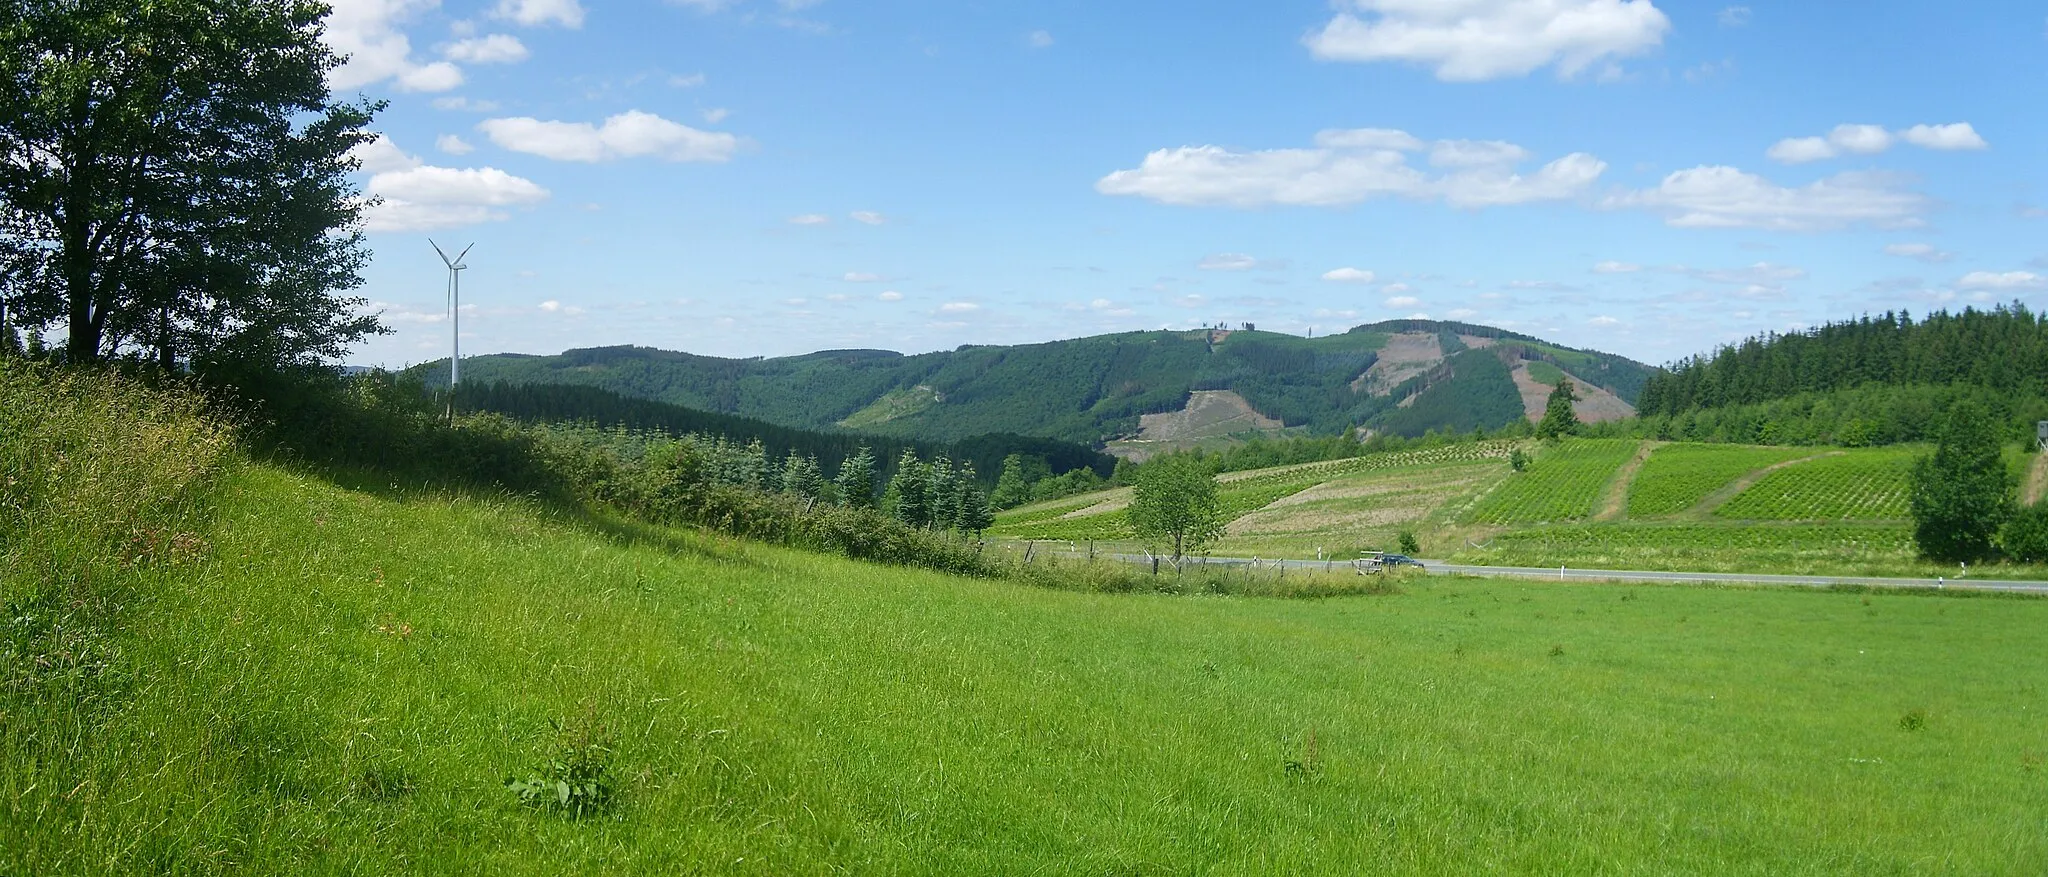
(438, 252)
(465, 252)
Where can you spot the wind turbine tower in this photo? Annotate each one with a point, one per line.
(455, 267)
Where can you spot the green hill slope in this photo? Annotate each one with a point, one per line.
(311, 678)
(1091, 389)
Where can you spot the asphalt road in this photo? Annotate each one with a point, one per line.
(1438, 567)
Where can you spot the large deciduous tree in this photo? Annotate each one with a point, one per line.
(174, 180)
(1962, 493)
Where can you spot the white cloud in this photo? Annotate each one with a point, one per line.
(1603, 321)
(1227, 262)
(438, 76)
(691, 81)
(1734, 16)
(1462, 313)
(1873, 139)
(1954, 136)
(864, 277)
(1613, 267)
(380, 155)
(453, 145)
(1726, 197)
(1347, 167)
(368, 33)
(1348, 275)
(1403, 301)
(715, 115)
(459, 102)
(1476, 153)
(555, 307)
(810, 219)
(494, 49)
(1472, 40)
(627, 135)
(1038, 39)
(959, 307)
(1923, 252)
(416, 196)
(868, 217)
(567, 13)
(891, 295)
(1393, 288)
(2009, 280)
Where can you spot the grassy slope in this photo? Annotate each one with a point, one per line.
(345, 683)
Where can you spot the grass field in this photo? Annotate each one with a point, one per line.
(345, 683)
(1680, 476)
(321, 678)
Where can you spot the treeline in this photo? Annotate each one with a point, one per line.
(2003, 350)
(581, 404)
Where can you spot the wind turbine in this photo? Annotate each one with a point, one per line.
(455, 267)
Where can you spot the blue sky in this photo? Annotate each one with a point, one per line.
(769, 177)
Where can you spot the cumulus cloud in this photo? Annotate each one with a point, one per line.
(627, 135)
(438, 76)
(2010, 280)
(1473, 40)
(1613, 267)
(810, 219)
(1403, 301)
(891, 295)
(715, 115)
(1873, 139)
(959, 307)
(1348, 167)
(458, 102)
(1038, 39)
(369, 33)
(494, 49)
(1923, 252)
(1734, 16)
(453, 145)
(415, 196)
(567, 13)
(1726, 197)
(1603, 321)
(686, 81)
(868, 217)
(1348, 275)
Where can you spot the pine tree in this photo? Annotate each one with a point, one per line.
(942, 490)
(1962, 493)
(908, 497)
(1558, 418)
(802, 477)
(856, 479)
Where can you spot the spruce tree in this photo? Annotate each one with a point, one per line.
(908, 497)
(1013, 488)
(1558, 418)
(974, 515)
(856, 479)
(943, 491)
(1962, 493)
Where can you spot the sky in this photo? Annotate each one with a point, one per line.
(771, 177)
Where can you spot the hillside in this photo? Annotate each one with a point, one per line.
(305, 675)
(1871, 380)
(1405, 377)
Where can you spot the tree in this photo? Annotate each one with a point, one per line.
(856, 479)
(801, 476)
(173, 179)
(942, 494)
(1175, 501)
(2025, 537)
(908, 496)
(1962, 492)
(974, 515)
(1013, 486)
(1558, 418)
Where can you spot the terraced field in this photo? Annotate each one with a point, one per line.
(1364, 511)
(1790, 548)
(1564, 483)
(1857, 485)
(1680, 476)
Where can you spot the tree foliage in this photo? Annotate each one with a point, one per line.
(1558, 418)
(1175, 502)
(1962, 493)
(173, 180)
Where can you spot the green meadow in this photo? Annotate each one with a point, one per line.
(316, 674)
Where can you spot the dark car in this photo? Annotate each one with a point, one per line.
(1400, 560)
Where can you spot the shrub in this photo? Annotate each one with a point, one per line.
(2025, 537)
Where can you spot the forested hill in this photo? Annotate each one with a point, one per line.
(583, 404)
(1092, 389)
(2004, 349)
